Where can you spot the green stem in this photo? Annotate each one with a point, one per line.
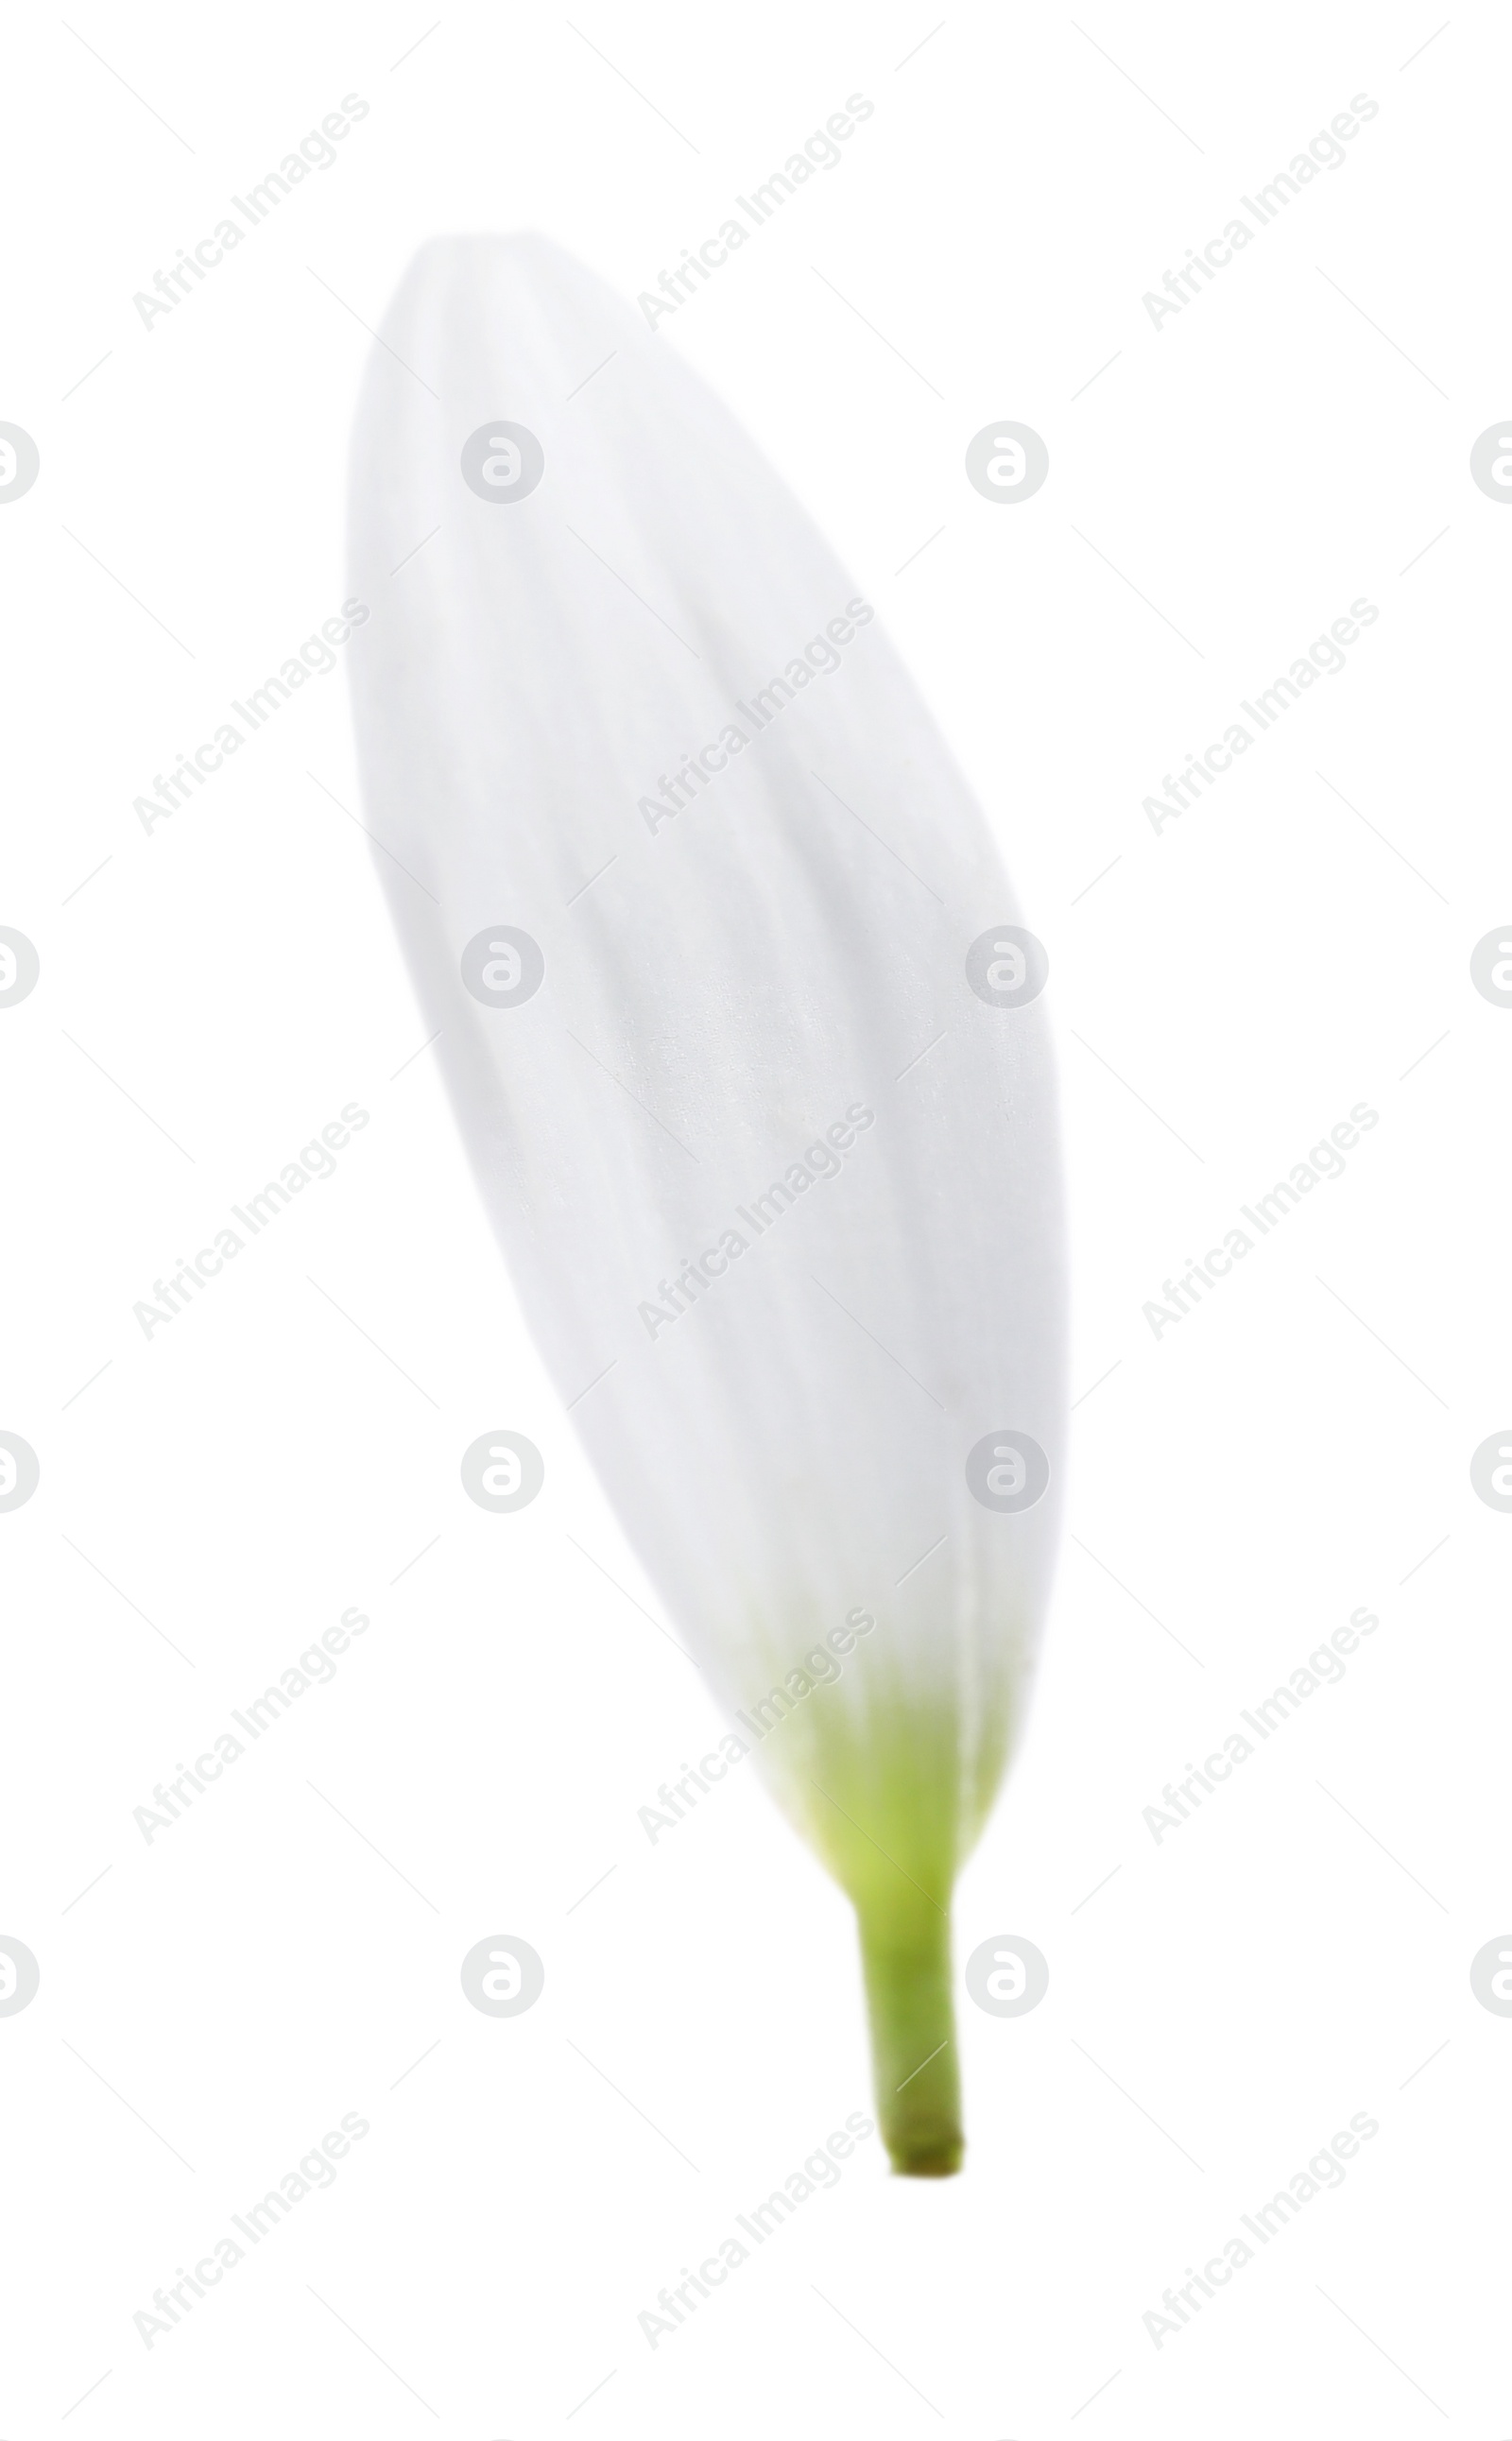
(905, 1958)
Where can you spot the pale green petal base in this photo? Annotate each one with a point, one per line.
(893, 1799)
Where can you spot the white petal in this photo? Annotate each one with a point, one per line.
(731, 984)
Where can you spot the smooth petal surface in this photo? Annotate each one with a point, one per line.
(755, 1038)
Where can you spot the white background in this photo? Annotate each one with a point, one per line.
(1220, 490)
